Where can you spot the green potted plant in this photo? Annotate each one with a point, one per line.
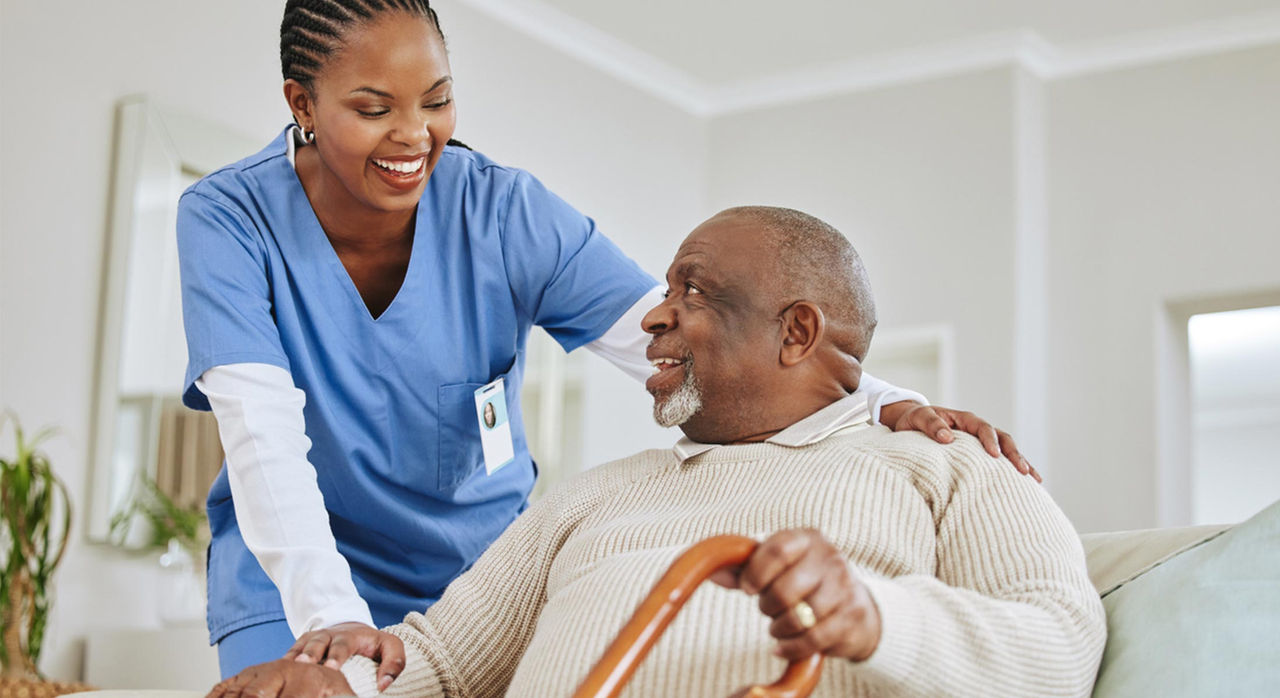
(164, 521)
(36, 525)
(154, 521)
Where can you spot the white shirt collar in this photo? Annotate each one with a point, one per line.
(293, 141)
(847, 413)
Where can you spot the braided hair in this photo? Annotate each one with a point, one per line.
(313, 29)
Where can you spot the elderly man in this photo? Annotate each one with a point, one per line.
(917, 568)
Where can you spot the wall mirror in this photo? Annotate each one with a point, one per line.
(140, 427)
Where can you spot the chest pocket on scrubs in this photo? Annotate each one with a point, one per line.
(461, 454)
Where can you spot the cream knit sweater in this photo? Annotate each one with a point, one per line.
(979, 578)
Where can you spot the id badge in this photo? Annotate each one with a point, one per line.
(495, 430)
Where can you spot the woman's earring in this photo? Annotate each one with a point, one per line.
(308, 136)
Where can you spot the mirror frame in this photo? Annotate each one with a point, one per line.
(193, 145)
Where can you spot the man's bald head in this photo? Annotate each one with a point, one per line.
(814, 262)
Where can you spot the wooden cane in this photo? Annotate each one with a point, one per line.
(659, 608)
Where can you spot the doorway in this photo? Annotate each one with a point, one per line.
(1234, 361)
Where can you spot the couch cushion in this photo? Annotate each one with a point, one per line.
(1203, 622)
(1116, 558)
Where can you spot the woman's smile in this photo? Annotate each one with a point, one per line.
(401, 173)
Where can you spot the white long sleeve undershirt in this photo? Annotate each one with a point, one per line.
(278, 504)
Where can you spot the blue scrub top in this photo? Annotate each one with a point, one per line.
(390, 409)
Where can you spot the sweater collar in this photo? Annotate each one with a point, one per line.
(848, 413)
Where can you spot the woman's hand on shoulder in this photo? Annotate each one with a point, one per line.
(937, 423)
(336, 644)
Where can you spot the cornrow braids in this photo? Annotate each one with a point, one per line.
(313, 29)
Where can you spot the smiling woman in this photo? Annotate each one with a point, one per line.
(346, 293)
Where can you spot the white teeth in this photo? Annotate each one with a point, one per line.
(659, 363)
(399, 166)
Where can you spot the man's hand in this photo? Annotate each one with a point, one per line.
(335, 645)
(284, 677)
(800, 565)
(937, 423)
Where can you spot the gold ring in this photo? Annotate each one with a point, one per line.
(804, 614)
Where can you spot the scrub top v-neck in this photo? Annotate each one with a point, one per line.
(354, 289)
(390, 405)
(400, 323)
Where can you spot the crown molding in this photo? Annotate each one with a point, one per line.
(600, 50)
(1023, 48)
(1175, 43)
(875, 72)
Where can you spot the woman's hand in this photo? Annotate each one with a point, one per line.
(937, 422)
(334, 645)
(816, 603)
(283, 678)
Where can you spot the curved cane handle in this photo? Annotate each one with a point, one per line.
(659, 608)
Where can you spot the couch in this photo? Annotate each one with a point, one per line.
(1190, 611)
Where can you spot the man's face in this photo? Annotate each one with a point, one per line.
(715, 336)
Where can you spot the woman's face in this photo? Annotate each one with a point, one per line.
(382, 110)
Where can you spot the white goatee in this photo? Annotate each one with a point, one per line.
(682, 404)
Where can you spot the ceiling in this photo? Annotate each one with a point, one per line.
(725, 41)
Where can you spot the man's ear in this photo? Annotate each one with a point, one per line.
(300, 102)
(803, 327)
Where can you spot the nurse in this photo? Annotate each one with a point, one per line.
(351, 295)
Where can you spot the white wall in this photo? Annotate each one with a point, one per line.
(1163, 189)
(633, 163)
(63, 67)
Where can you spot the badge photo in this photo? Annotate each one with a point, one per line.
(495, 429)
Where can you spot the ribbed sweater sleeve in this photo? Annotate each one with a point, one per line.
(470, 641)
(1011, 611)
